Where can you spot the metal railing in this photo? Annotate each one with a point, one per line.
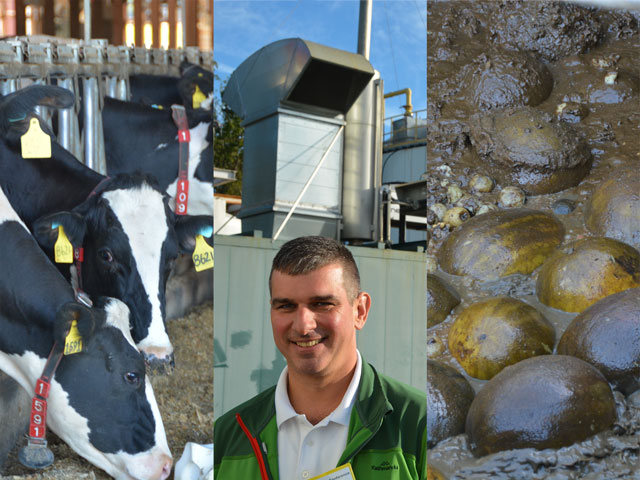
(405, 130)
(90, 70)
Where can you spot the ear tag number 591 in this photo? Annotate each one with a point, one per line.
(202, 255)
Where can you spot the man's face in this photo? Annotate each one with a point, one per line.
(314, 321)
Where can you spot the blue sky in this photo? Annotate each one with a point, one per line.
(398, 36)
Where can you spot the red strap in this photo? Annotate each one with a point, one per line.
(256, 448)
(81, 296)
(178, 113)
(182, 195)
(184, 136)
(38, 418)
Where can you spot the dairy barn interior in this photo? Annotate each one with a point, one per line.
(320, 158)
(92, 49)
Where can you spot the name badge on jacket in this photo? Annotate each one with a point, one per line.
(343, 472)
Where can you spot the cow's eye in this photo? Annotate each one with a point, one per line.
(132, 378)
(106, 255)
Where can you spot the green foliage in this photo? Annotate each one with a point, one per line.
(228, 145)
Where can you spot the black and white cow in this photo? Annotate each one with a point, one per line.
(138, 137)
(164, 91)
(129, 234)
(100, 402)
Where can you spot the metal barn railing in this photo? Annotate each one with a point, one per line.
(405, 130)
(90, 70)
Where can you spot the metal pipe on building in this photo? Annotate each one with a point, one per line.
(364, 28)
(408, 108)
(361, 165)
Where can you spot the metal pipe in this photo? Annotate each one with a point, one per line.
(361, 162)
(64, 118)
(8, 86)
(123, 89)
(408, 109)
(91, 111)
(306, 185)
(183, 18)
(101, 154)
(42, 112)
(378, 153)
(364, 28)
(87, 20)
(112, 87)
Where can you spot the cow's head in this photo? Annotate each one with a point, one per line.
(131, 240)
(196, 90)
(102, 404)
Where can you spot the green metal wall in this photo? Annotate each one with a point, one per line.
(247, 361)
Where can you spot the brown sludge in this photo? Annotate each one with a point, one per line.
(475, 124)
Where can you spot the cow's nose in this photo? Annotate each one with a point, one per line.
(166, 469)
(157, 365)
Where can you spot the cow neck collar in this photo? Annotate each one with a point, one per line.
(179, 116)
(78, 257)
(80, 295)
(36, 454)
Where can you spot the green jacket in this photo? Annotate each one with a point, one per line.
(386, 440)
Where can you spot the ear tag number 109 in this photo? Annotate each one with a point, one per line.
(35, 143)
(63, 249)
(202, 255)
(73, 341)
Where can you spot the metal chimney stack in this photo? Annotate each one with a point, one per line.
(363, 150)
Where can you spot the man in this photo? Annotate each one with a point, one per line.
(329, 408)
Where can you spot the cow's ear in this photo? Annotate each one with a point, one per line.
(185, 65)
(188, 227)
(66, 314)
(17, 105)
(45, 229)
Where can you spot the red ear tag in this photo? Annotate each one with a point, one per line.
(182, 196)
(78, 254)
(184, 136)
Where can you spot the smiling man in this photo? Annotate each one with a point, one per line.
(330, 410)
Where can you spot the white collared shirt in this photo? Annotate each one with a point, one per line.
(305, 450)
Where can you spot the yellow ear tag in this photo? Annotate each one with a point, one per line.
(63, 249)
(198, 97)
(35, 143)
(73, 342)
(202, 255)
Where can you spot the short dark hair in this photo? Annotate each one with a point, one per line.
(303, 255)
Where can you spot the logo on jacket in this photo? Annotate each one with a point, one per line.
(384, 466)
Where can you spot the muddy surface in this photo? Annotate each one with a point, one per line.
(185, 399)
(594, 61)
